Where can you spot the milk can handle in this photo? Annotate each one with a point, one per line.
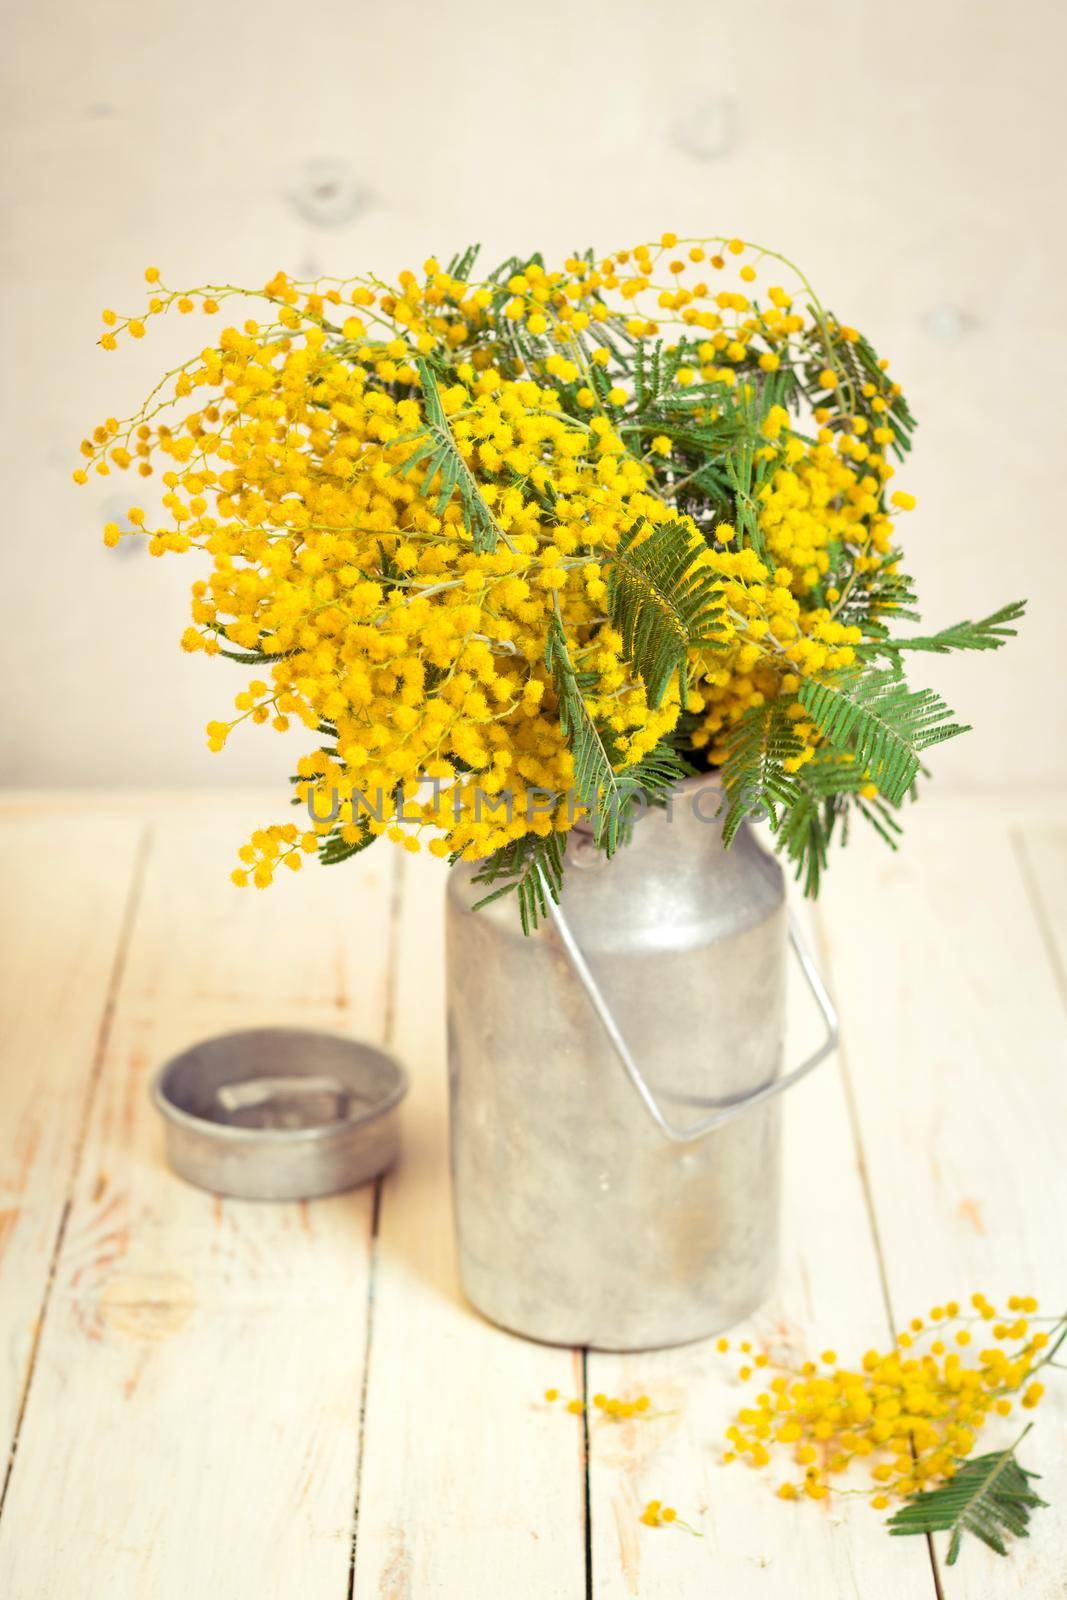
(727, 1108)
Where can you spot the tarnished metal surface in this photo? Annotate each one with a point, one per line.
(280, 1113)
(717, 1110)
(578, 1221)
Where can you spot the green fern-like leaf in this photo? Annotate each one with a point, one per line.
(389, 573)
(817, 808)
(803, 835)
(461, 264)
(988, 634)
(805, 810)
(753, 773)
(648, 782)
(888, 595)
(745, 473)
(249, 658)
(333, 848)
(595, 783)
(661, 604)
(653, 375)
(524, 867)
(989, 1498)
(438, 455)
(657, 773)
(883, 723)
(861, 365)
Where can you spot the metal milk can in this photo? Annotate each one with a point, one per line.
(614, 1081)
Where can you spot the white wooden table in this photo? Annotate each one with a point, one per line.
(230, 1401)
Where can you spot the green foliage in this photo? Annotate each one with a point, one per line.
(654, 372)
(333, 849)
(524, 868)
(649, 782)
(859, 362)
(755, 778)
(438, 455)
(661, 605)
(878, 719)
(887, 594)
(806, 809)
(989, 1497)
(804, 833)
(517, 349)
(595, 783)
(249, 658)
(529, 866)
(246, 658)
(988, 634)
(716, 467)
(745, 474)
(828, 793)
(462, 262)
(388, 573)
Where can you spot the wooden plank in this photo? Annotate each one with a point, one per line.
(956, 1052)
(192, 1428)
(828, 1293)
(469, 1486)
(219, 1347)
(1041, 848)
(68, 887)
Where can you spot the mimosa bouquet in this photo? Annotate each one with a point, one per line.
(524, 548)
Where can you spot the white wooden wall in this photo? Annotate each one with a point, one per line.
(908, 155)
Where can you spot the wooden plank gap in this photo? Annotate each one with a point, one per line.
(396, 904)
(587, 1479)
(841, 1053)
(368, 1346)
(866, 1186)
(114, 983)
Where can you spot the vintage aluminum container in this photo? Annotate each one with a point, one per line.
(280, 1113)
(614, 1083)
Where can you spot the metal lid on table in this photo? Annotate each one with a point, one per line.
(280, 1113)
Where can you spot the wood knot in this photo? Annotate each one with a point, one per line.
(147, 1305)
